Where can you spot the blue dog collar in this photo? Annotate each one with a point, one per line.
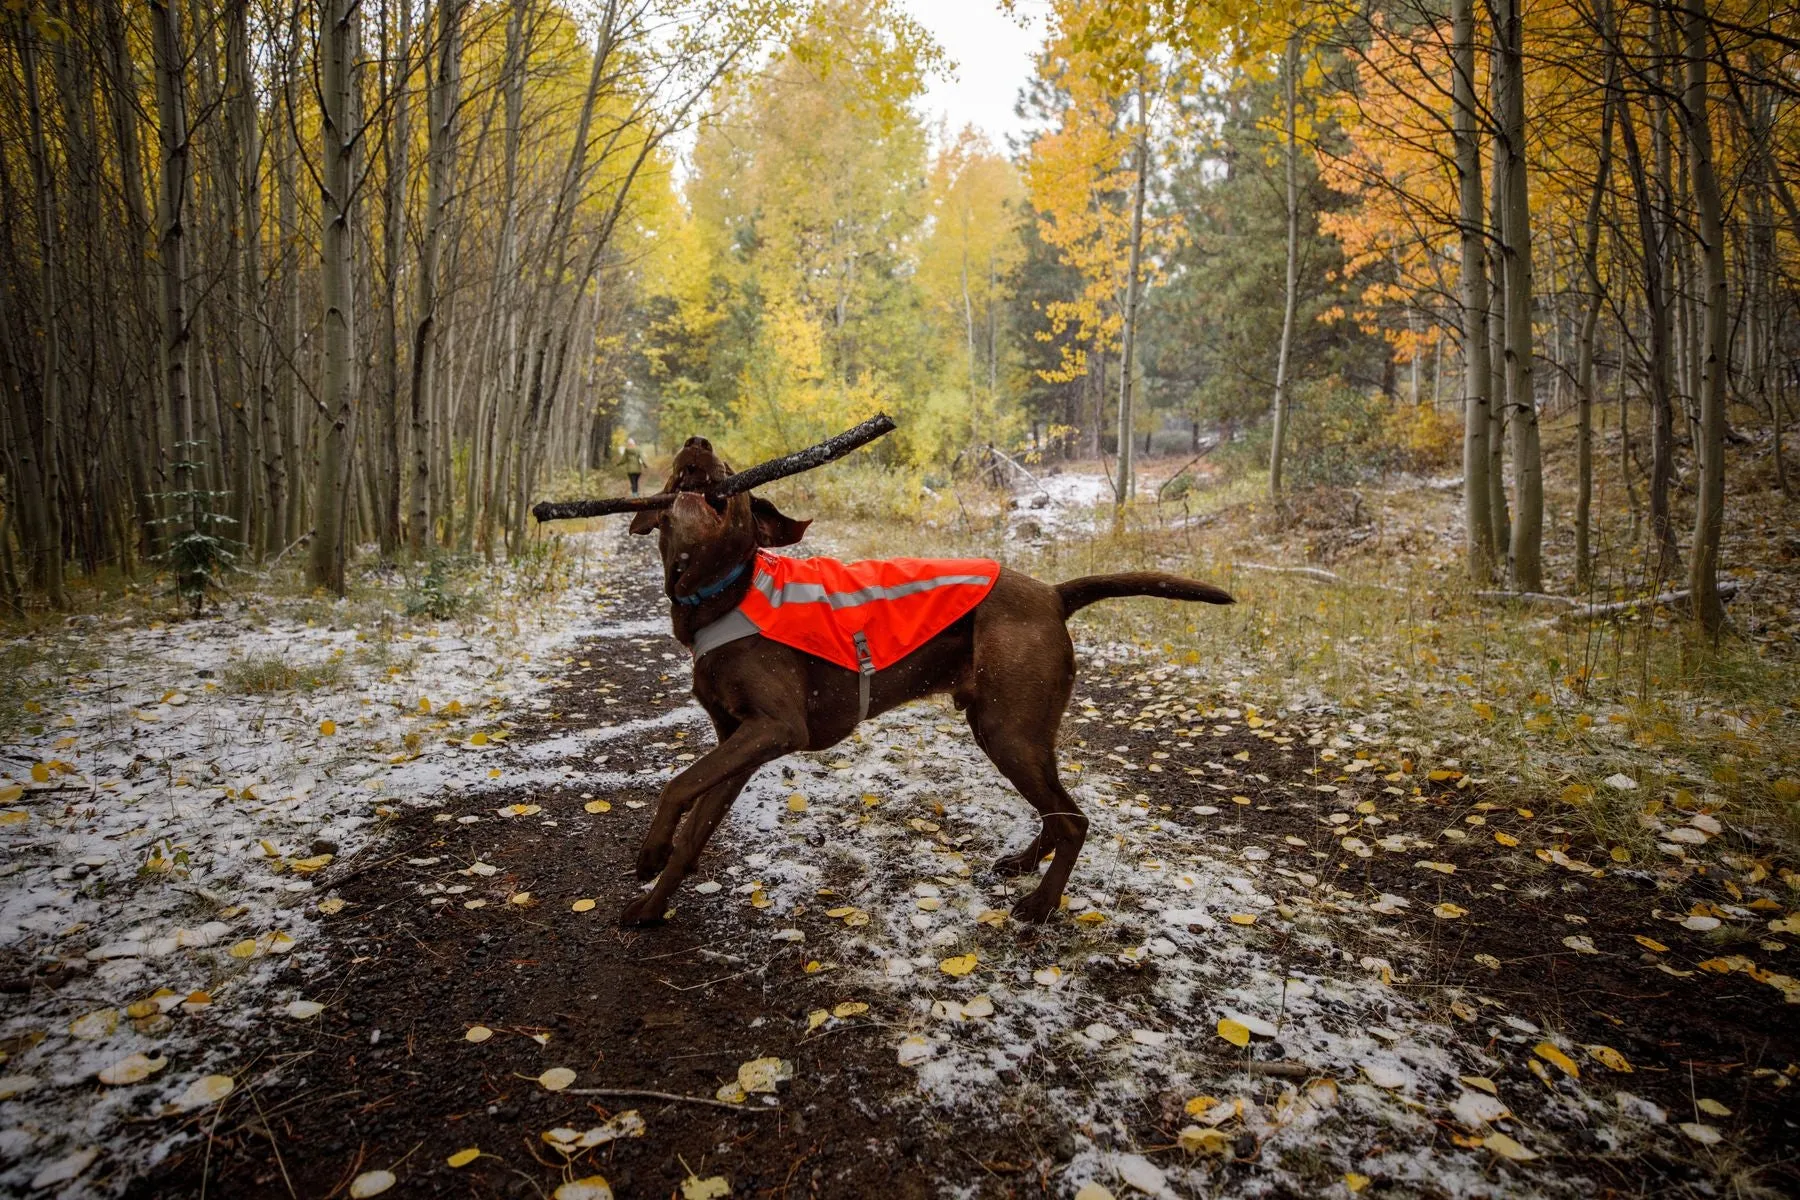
(713, 589)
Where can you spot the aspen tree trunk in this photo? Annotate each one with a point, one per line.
(38, 432)
(1133, 293)
(1478, 529)
(143, 453)
(1659, 303)
(288, 399)
(440, 135)
(337, 83)
(259, 465)
(1524, 559)
(1713, 348)
(1291, 294)
(1584, 363)
(395, 152)
(172, 139)
(1499, 512)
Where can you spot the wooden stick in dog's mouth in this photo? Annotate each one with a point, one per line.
(755, 477)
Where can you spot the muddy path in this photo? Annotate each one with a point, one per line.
(1243, 868)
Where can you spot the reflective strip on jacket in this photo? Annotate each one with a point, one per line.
(820, 605)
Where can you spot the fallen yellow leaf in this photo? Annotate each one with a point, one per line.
(1557, 1058)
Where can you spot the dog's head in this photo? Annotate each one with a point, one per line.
(700, 542)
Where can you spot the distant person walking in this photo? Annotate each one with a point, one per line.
(632, 459)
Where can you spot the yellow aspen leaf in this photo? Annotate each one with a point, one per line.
(208, 1089)
(1448, 911)
(40, 773)
(582, 905)
(1649, 943)
(850, 1008)
(1480, 1083)
(95, 1025)
(1506, 1147)
(959, 965)
(597, 806)
(1235, 1032)
(1711, 1107)
(1577, 794)
(133, 1068)
(1091, 917)
(1354, 1182)
(1505, 839)
(463, 1158)
(796, 803)
(1483, 710)
(556, 1079)
(478, 1034)
(1196, 1140)
(327, 728)
(478, 739)
(1609, 1058)
(1242, 918)
(1550, 1054)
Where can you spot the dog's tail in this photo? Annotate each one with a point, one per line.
(1077, 594)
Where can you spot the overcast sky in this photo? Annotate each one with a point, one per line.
(993, 53)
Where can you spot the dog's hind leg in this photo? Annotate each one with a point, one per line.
(1023, 678)
(1032, 769)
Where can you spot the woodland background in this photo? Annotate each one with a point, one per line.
(352, 272)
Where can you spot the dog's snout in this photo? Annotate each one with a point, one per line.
(698, 443)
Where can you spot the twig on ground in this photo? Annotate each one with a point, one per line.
(671, 1097)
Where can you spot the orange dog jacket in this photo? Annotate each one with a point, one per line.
(862, 616)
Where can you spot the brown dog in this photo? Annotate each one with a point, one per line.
(1008, 664)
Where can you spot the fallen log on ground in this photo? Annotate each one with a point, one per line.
(1317, 574)
(1727, 589)
(1540, 599)
(743, 481)
(1572, 609)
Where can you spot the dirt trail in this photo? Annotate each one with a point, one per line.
(1226, 879)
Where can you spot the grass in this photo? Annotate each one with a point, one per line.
(270, 674)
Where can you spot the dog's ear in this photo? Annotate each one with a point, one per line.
(772, 527)
(648, 521)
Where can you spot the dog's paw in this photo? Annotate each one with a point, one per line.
(642, 913)
(1022, 863)
(651, 860)
(1036, 908)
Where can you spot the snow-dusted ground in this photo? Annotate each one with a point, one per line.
(1207, 912)
(162, 831)
(1059, 505)
(167, 850)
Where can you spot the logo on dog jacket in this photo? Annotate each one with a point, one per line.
(863, 616)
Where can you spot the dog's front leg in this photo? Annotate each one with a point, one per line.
(707, 788)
